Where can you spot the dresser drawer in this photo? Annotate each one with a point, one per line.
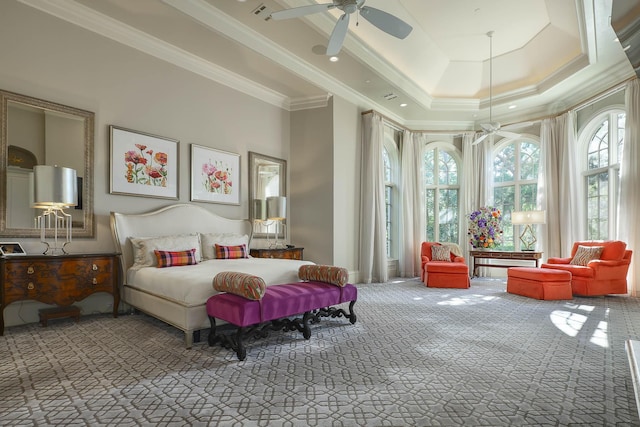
(58, 280)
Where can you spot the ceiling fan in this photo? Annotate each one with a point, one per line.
(386, 22)
(492, 128)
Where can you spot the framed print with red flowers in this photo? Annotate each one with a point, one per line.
(215, 176)
(143, 164)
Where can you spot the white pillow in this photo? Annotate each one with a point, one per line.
(143, 247)
(209, 240)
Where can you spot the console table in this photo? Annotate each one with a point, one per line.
(57, 279)
(500, 255)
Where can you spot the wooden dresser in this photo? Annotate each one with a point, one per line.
(283, 253)
(57, 279)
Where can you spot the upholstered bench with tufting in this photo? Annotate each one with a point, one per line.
(539, 283)
(246, 302)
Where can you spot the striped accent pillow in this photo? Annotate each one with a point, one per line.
(231, 252)
(584, 254)
(324, 273)
(175, 258)
(245, 285)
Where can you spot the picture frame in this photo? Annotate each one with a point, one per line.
(215, 175)
(11, 249)
(143, 164)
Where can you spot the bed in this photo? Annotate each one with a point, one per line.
(177, 295)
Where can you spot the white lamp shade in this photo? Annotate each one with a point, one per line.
(259, 209)
(528, 217)
(54, 186)
(277, 207)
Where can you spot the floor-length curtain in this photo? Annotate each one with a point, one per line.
(412, 226)
(373, 253)
(468, 193)
(560, 186)
(629, 200)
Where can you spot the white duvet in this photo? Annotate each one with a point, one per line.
(192, 285)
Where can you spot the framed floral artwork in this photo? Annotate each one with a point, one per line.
(143, 164)
(215, 176)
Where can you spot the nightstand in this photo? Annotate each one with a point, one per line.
(282, 253)
(57, 279)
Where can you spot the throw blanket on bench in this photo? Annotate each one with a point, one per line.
(254, 308)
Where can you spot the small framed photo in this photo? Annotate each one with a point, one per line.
(215, 176)
(143, 164)
(11, 248)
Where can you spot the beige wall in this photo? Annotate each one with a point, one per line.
(59, 62)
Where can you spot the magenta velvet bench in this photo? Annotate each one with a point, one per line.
(249, 304)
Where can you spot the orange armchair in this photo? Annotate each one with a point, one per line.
(443, 274)
(604, 276)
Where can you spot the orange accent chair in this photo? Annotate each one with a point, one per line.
(603, 276)
(443, 274)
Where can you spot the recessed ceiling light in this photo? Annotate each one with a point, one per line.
(404, 104)
(334, 59)
(512, 106)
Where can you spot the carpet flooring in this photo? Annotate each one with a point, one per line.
(416, 357)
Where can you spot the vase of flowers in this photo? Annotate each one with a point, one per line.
(485, 228)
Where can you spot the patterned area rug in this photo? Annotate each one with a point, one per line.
(416, 357)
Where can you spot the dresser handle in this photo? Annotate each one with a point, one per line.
(95, 267)
(31, 286)
(95, 281)
(30, 270)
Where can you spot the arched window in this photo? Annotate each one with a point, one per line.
(391, 164)
(602, 143)
(442, 194)
(515, 183)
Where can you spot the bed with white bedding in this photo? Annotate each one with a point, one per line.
(177, 295)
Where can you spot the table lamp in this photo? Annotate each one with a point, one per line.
(54, 189)
(277, 211)
(528, 218)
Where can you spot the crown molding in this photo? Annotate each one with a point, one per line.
(309, 102)
(222, 23)
(105, 26)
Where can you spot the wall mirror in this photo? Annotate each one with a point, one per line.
(38, 132)
(267, 178)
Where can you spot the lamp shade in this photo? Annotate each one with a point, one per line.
(528, 217)
(277, 207)
(54, 186)
(259, 209)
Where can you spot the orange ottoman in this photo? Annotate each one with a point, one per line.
(539, 283)
(443, 274)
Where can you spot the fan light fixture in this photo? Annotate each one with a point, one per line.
(492, 128)
(382, 20)
(528, 218)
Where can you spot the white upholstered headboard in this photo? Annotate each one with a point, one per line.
(174, 219)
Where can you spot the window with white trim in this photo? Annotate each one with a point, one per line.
(515, 183)
(442, 194)
(602, 142)
(391, 164)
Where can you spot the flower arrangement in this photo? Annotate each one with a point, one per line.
(485, 227)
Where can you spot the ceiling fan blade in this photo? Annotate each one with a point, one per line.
(480, 139)
(507, 134)
(338, 35)
(297, 12)
(386, 22)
